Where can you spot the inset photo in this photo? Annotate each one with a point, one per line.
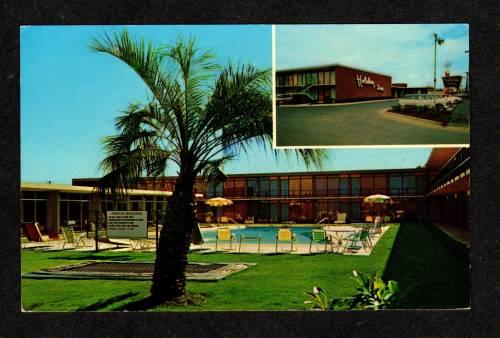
(371, 85)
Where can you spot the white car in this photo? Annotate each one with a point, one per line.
(453, 99)
(428, 101)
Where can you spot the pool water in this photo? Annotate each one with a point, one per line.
(268, 235)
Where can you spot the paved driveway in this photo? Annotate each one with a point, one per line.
(361, 124)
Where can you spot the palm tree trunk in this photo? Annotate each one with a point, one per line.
(169, 279)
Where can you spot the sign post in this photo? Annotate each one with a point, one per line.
(96, 236)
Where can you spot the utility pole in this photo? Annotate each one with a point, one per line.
(437, 41)
(467, 78)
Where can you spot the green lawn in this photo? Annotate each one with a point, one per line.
(275, 283)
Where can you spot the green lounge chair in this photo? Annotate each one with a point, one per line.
(362, 237)
(318, 236)
(71, 238)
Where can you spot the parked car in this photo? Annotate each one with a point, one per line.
(453, 99)
(429, 101)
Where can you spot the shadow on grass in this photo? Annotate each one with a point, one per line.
(103, 304)
(149, 303)
(432, 269)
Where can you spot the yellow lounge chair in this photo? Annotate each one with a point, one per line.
(285, 235)
(341, 218)
(224, 235)
(71, 238)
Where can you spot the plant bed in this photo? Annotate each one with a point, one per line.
(423, 113)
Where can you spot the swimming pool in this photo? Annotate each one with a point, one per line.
(268, 234)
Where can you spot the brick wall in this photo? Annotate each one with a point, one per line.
(347, 87)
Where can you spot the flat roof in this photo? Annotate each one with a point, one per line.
(82, 189)
(328, 65)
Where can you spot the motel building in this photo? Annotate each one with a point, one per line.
(332, 83)
(438, 192)
(338, 83)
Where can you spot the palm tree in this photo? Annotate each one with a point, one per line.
(187, 123)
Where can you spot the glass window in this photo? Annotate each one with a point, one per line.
(283, 212)
(285, 80)
(306, 186)
(274, 187)
(295, 79)
(355, 186)
(314, 78)
(421, 184)
(321, 76)
(239, 188)
(273, 214)
(409, 184)
(355, 211)
(264, 187)
(344, 186)
(252, 187)
(395, 185)
(333, 186)
(320, 185)
(321, 210)
(366, 185)
(284, 187)
(294, 186)
(380, 184)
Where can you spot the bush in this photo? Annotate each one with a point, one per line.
(371, 293)
(396, 107)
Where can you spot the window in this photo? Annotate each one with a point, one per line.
(355, 186)
(264, 187)
(252, 187)
(366, 185)
(344, 186)
(295, 80)
(274, 187)
(294, 186)
(284, 187)
(395, 185)
(306, 187)
(409, 184)
(314, 79)
(321, 76)
(333, 186)
(320, 185)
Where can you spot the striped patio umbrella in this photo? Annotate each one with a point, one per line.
(218, 202)
(378, 199)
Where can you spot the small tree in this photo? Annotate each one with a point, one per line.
(189, 124)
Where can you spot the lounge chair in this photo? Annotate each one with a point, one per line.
(34, 235)
(249, 220)
(71, 238)
(285, 235)
(224, 235)
(246, 237)
(341, 218)
(362, 237)
(318, 236)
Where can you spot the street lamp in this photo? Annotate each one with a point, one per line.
(437, 41)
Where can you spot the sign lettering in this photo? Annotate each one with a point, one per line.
(366, 80)
(127, 224)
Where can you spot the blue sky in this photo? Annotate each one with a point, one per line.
(70, 96)
(406, 52)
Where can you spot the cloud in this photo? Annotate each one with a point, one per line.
(398, 50)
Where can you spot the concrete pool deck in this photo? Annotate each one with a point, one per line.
(337, 233)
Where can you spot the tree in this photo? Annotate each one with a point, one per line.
(188, 123)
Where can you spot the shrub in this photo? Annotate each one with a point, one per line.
(396, 107)
(371, 293)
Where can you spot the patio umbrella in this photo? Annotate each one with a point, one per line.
(378, 199)
(218, 202)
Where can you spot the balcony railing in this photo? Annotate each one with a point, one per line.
(339, 192)
(459, 165)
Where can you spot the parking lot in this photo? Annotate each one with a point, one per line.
(365, 123)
